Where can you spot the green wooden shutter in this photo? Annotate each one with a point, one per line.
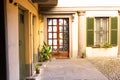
(90, 31)
(114, 27)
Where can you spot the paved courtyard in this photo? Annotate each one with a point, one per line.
(70, 69)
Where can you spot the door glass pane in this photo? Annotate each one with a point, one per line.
(66, 41)
(60, 21)
(66, 48)
(65, 28)
(54, 42)
(61, 42)
(49, 21)
(65, 21)
(54, 48)
(49, 28)
(54, 21)
(50, 35)
(65, 35)
(51, 49)
(61, 29)
(61, 48)
(61, 35)
(54, 28)
(50, 42)
(54, 35)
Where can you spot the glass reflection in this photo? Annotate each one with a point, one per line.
(49, 21)
(65, 21)
(61, 42)
(61, 48)
(54, 21)
(65, 35)
(50, 42)
(51, 48)
(54, 35)
(54, 42)
(66, 41)
(54, 28)
(61, 29)
(66, 48)
(49, 28)
(65, 28)
(61, 35)
(54, 48)
(50, 35)
(60, 21)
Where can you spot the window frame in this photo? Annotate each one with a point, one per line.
(107, 30)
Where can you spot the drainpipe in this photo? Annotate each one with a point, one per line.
(81, 33)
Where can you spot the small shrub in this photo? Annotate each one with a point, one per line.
(83, 55)
(107, 45)
(37, 69)
(45, 53)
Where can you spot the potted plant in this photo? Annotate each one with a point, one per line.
(107, 45)
(37, 69)
(45, 53)
(83, 55)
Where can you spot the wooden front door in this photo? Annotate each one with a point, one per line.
(58, 36)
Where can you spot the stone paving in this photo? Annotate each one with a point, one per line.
(70, 69)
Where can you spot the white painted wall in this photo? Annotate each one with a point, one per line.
(76, 3)
(102, 52)
(101, 13)
(74, 34)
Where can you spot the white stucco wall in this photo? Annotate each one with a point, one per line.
(101, 52)
(101, 13)
(76, 3)
(74, 34)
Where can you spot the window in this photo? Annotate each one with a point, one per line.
(101, 31)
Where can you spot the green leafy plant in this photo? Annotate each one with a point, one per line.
(83, 55)
(107, 45)
(37, 69)
(45, 53)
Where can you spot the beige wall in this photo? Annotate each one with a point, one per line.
(41, 32)
(13, 36)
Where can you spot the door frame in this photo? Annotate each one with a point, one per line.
(70, 34)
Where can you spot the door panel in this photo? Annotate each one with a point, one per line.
(21, 45)
(58, 36)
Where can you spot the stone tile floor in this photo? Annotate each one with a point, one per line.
(70, 69)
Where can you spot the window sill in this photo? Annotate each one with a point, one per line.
(101, 47)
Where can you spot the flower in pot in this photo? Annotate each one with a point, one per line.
(37, 69)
